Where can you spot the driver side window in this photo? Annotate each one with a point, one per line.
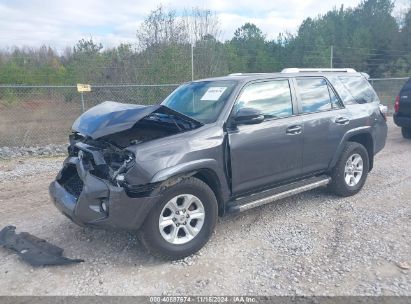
(272, 98)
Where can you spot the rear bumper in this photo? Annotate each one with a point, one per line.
(402, 121)
(122, 212)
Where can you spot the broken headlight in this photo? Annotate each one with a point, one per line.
(117, 163)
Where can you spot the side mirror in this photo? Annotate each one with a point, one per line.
(248, 116)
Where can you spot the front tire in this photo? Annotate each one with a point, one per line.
(350, 173)
(182, 221)
(406, 132)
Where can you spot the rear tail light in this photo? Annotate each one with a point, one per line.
(383, 111)
(397, 104)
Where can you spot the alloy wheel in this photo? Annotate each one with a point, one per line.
(181, 219)
(353, 171)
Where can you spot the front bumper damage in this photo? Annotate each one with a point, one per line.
(92, 201)
(92, 189)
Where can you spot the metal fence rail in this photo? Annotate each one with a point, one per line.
(40, 115)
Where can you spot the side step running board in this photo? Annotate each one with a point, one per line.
(269, 196)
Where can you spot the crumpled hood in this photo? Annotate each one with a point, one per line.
(111, 117)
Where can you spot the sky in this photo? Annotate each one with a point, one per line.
(62, 23)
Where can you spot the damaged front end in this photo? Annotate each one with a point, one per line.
(91, 189)
(101, 158)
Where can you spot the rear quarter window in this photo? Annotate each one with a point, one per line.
(354, 89)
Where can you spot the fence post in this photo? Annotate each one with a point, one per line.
(331, 56)
(83, 88)
(192, 62)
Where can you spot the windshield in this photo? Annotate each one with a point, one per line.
(202, 101)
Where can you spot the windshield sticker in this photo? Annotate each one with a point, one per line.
(213, 93)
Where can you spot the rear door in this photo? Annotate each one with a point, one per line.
(271, 151)
(325, 120)
(405, 99)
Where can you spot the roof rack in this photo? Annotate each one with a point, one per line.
(367, 76)
(245, 74)
(298, 70)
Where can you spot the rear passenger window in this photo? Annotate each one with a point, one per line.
(335, 101)
(316, 95)
(272, 98)
(359, 88)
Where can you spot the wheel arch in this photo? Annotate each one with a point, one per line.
(360, 135)
(366, 140)
(210, 178)
(204, 170)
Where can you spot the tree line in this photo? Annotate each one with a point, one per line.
(368, 38)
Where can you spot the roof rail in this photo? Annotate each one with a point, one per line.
(367, 76)
(245, 74)
(298, 70)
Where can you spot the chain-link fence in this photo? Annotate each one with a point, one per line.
(40, 115)
(387, 89)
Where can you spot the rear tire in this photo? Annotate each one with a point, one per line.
(350, 173)
(167, 234)
(406, 132)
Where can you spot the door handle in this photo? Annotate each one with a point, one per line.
(294, 130)
(342, 120)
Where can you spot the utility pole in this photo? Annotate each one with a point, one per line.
(192, 62)
(331, 56)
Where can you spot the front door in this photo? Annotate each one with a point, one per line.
(271, 151)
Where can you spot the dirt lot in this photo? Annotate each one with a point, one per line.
(37, 122)
(313, 243)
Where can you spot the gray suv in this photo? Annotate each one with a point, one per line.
(218, 146)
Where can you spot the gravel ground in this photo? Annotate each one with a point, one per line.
(310, 244)
(18, 152)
